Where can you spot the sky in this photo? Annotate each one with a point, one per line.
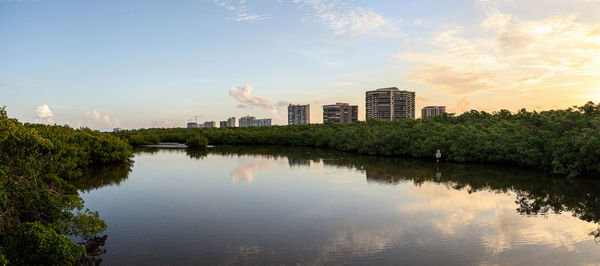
(146, 63)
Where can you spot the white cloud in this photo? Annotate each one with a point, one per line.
(240, 10)
(550, 57)
(44, 115)
(96, 120)
(347, 21)
(244, 95)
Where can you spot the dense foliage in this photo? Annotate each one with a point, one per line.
(38, 205)
(197, 142)
(564, 142)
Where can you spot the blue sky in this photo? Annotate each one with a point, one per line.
(134, 64)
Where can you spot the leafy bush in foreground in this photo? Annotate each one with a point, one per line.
(38, 206)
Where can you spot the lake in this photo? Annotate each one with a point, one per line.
(297, 205)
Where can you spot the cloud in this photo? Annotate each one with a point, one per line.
(340, 84)
(511, 55)
(244, 95)
(44, 115)
(347, 21)
(240, 10)
(245, 173)
(96, 120)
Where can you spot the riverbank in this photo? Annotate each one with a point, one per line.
(562, 142)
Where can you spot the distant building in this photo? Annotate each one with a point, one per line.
(340, 113)
(231, 122)
(209, 124)
(429, 111)
(265, 122)
(116, 129)
(247, 121)
(223, 124)
(192, 125)
(390, 103)
(298, 114)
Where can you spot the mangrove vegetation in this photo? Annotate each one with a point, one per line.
(42, 217)
(562, 142)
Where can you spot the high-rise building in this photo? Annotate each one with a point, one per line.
(340, 113)
(298, 114)
(390, 103)
(209, 124)
(247, 121)
(265, 122)
(222, 124)
(429, 111)
(192, 125)
(231, 122)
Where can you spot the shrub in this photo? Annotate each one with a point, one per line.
(197, 142)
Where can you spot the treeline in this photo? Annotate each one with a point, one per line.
(563, 142)
(39, 207)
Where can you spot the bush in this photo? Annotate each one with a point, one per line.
(39, 205)
(36, 244)
(197, 142)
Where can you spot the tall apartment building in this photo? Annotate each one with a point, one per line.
(265, 122)
(209, 124)
(340, 113)
(390, 103)
(222, 124)
(192, 125)
(298, 114)
(231, 122)
(247, 121)
(429, 111)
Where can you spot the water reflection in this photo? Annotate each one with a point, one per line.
(245, 172)
(94, 249)
(313, 206)
(536, 193)
(97, 176)
(92, 178)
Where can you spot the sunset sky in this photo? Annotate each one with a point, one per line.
(133, 64)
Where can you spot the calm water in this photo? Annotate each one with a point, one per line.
(276, 205)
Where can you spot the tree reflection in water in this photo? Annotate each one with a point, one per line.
(536, 193)
(94, 248)
(92, 178)
(97, 176)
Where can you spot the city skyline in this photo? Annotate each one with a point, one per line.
(140, 64)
